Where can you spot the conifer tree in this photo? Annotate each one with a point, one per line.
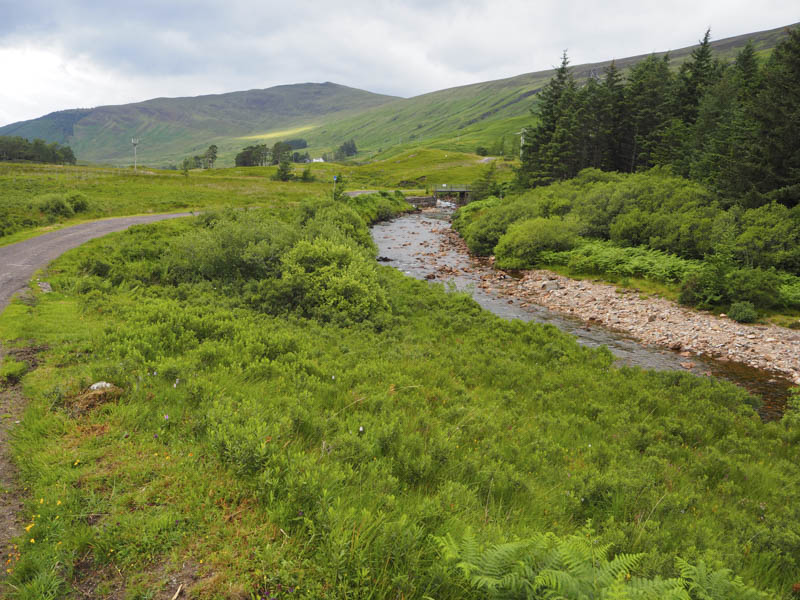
(695, 75)
(650, 101)
(549, 151)
(617, 118)
(776, 112)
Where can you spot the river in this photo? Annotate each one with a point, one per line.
(413, 244)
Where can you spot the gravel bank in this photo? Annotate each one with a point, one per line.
(651, 320)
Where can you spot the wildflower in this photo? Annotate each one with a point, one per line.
(29, 527)
(41, 500)
(155, 436)
(166, 417)
(33, 541)
(58, 503)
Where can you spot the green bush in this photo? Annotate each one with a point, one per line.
(757, 286)
(332, 282)
(743, 312)
(236, 247)
(78, 202)
(789, 293)
(55, 205)
(521, 247)
(483, 233)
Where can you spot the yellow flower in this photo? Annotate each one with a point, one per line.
(58, 503)
(29, 527)
(33, 541)
(41, 500)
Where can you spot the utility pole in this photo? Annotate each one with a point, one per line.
(135, 142)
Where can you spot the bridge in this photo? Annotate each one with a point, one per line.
(460, 194)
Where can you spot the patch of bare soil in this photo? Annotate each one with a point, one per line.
(91, 399)
(12, 405)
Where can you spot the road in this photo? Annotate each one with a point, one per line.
(18, 262)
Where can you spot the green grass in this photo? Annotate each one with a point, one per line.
(111, 192)
(264, 436)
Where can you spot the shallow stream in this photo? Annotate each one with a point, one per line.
(412, 244)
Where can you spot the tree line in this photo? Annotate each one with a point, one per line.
(20, 149)
(261, 155)
(733, 127)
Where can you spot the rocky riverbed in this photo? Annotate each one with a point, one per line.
(651, 320)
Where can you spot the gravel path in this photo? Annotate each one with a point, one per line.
(18, 262)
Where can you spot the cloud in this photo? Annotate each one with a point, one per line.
(88, 52)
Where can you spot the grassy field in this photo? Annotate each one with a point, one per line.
(291, 420)
(29, 194)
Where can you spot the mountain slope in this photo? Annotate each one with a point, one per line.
(325, 114)
(461, 118)
(170, 128)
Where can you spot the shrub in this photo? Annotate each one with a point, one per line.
(743, 312)
(522, 245)
(483, 233)
(55, 205)
(789, 293)
(77, 201)
(230, 248)
(757, 286)
(332, 282)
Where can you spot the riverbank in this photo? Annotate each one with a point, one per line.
(652, 320)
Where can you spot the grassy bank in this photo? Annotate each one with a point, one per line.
(290, 420)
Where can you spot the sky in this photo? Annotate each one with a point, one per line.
(61, 54)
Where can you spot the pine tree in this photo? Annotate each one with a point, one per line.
(549, 151)
(776, 112)
(650, 100)
(617, 116)
(695, 75)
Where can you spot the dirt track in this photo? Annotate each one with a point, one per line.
(18, 263)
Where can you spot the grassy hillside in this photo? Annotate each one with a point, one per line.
(326, 114)
(171, 128)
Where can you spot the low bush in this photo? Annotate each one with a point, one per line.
(743, 312)
(522, 245)
(55, 206)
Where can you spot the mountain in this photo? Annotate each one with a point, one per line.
(326, 115)
(171, 128)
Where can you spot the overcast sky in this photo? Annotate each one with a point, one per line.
(61, 54)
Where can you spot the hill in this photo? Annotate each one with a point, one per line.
(460, 118)
(171, 128)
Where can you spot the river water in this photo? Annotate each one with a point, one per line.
(411, 243)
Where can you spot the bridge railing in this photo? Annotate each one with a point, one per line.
(443, 188)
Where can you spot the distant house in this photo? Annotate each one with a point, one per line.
(317, 160)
